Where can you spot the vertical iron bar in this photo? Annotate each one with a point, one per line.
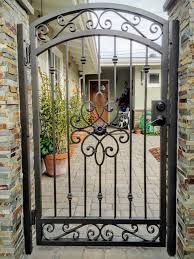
(69, 196)
(100, 191)
(163, 134)
(146, 70)
(172, 137)
(25, 139)
(115, 60)
(36, 133)
(83, 61)
(52, 82)
(130, 197)
(85, 187)
(115, 186)
(99, 69)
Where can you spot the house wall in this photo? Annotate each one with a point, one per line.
(154, 91)
(73, 72)
(183, 10)
(74, 76)
(123, 74)
(11, 219)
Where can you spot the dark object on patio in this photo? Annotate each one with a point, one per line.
(155, 152)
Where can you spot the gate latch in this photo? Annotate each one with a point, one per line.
(158, 113)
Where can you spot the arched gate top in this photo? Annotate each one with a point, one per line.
(99, 19)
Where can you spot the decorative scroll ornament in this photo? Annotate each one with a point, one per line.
(104, 20)
(104, 140)
(101, 232)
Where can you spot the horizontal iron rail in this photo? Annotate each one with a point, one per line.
(98, 32)
(97, 220)
(84, 242)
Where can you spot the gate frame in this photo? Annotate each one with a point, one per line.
(163, 50)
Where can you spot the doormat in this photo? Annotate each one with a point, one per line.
(155, 153)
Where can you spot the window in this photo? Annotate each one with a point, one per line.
(154, 78)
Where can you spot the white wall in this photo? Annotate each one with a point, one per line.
(123, 74)
(73, 72)
(154, 90)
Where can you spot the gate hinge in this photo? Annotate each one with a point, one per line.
(28, 56)
(33, 217)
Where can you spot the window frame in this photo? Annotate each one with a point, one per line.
(151, 84)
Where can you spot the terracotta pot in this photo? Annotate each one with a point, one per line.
(60, 162)
(138, 131)
(77, 135)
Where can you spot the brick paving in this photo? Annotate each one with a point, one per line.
(98, 253)
(77, 182)
(77, 178)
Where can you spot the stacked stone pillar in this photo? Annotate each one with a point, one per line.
(183, 10)
(11, 213)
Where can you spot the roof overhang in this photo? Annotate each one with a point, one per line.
(169, 4)
(26, 6)
(75, 47)
(123, 62)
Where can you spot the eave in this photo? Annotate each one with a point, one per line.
(168, 5)
(26, 6)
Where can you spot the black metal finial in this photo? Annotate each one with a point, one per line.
(146, 69)
(115, 59)
(83, 60)
(130, 197)
(100, 196)
(69, 196)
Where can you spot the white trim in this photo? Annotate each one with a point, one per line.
(107, 62)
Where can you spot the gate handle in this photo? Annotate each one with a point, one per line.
(159, 121)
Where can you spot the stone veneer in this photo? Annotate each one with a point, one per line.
(183, 10)
(11, 219)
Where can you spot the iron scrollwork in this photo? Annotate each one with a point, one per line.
(96, 19)
(97, 131)
(101, 232)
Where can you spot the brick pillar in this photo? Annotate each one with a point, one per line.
(183, 10)
(11, 218)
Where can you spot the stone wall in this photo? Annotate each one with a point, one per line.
(11, 219)
(183, 10)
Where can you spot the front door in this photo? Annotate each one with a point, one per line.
(101, 101)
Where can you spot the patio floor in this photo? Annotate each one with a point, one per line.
(98, 253)
(77, 182)
(77, 179)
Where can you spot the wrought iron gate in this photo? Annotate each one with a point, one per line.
(103, 138)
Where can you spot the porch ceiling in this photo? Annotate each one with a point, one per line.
(49, 6)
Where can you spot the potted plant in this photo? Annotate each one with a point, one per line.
(137, 129)
(75, 105)
(46, 120)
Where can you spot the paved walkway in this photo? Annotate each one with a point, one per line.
(107, 180)
(77, 179)
(98, 253)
